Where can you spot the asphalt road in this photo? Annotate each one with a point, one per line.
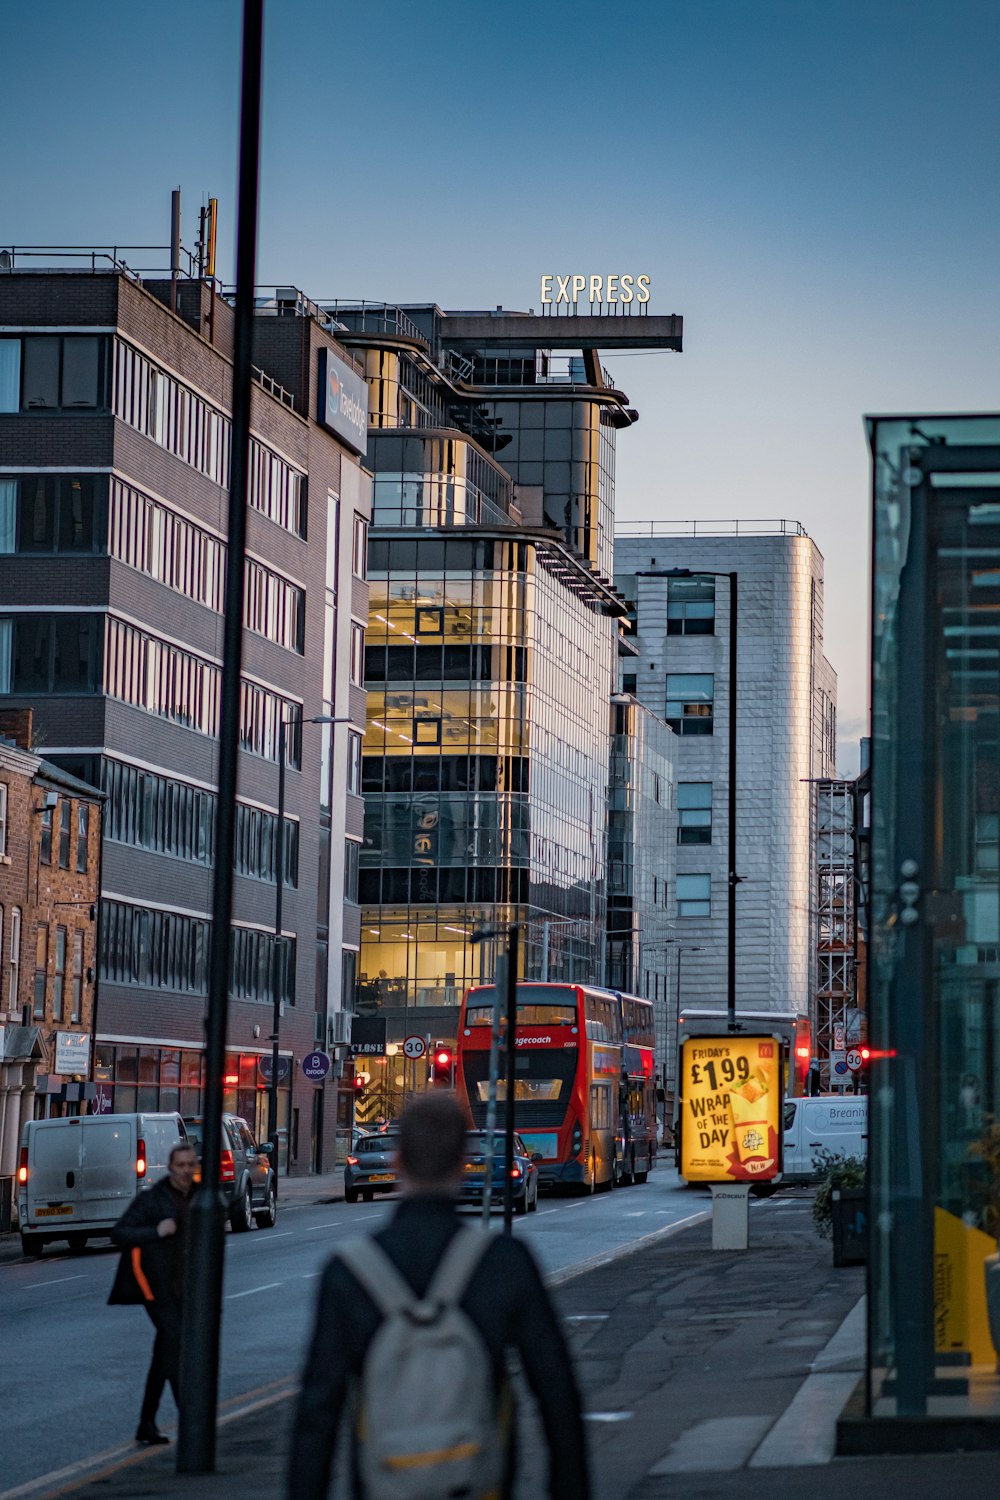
(73, 1368)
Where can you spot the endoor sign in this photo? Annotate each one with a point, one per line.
(731, 1098)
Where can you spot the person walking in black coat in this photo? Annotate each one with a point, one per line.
(152, 1233)
(505, 1301)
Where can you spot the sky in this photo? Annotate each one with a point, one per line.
(812, 184)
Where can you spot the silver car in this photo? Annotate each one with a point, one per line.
(371, 1167)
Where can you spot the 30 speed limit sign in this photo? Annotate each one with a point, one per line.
(414, 1047)
(854, 1059)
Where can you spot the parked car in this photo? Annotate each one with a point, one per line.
(524, 1172)
(247, 1176)
(75, 1178)
(371, 1166)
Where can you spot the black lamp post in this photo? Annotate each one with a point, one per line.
(277, 960)
(199, 1379)
(733, 878)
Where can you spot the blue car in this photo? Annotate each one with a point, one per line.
(525, 1172)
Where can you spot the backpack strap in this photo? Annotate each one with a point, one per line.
(461, 1257)
(390, 1291)
(369, 1263)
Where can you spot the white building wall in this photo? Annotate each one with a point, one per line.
(785, 692)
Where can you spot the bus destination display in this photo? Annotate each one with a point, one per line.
(730, 1108)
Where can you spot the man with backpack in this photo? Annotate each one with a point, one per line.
(412, 1331)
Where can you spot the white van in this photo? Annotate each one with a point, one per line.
(828, 1122)
(76, 1178)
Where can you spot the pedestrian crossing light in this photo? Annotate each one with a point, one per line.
(360, 1082)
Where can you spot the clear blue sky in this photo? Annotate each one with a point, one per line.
(813, 184)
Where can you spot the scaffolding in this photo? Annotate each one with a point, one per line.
(839, 1008)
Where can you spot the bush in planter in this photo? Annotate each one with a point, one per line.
(837, 1170)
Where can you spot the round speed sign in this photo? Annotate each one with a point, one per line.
(854, 1059)
(414, 1047)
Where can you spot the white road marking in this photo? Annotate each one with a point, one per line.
(635, 1213)
(607, 1416)
(717, 1445)
(286, 1234)
(232, 1297)
(588, 1317)
(56, 1280)
(341, 1223)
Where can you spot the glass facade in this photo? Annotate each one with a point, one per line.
(641, 864)
(484, 767)
(935, 957)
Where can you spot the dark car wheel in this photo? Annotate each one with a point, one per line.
(32, 1244)
(241, 1213)
(350, 1195)
(267, 1216)
(368, 1195)
(533, 1205)
(77, 1243)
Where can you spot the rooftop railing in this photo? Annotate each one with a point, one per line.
(98, 260)
(709, 528)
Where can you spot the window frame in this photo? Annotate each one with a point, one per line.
(685, 902)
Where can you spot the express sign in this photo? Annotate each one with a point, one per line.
(343, 401)
(730, 1108)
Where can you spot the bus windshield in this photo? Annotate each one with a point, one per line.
(544, 1076)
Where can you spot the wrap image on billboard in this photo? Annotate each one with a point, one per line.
(731, 1099)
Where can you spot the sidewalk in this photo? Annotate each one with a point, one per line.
(706, 1376)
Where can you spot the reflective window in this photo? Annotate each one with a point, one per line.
(691, 606)
(694, 895)
(694, 812)
(690, 702)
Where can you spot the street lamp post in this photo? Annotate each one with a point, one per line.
(733, 879)
(277, 961)
(199, 1375)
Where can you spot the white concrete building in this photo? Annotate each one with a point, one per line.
(786, 735)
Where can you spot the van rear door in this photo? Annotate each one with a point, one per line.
(109, 1179)
(54, 1162)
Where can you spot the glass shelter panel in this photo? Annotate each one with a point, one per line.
(935, 971)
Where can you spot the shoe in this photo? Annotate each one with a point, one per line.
(148, 1432)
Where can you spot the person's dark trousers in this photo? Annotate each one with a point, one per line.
(166, 1362)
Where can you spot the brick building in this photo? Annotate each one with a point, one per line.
(115, 396)
(50, 852)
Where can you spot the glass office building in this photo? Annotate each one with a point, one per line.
(935, 958)
(484, 765)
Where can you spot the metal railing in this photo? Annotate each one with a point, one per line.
(709, 528)
(273, 388)
(98, 260)
(374, 317)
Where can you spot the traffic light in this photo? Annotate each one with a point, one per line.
(360, 1081)
(443, 1067)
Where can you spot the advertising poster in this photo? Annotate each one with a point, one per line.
(731, 1100)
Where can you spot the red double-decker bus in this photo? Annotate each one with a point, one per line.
(584, 1092)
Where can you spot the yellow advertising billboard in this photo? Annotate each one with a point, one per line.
(730, 1115)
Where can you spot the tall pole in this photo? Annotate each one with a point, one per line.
(733, 877)
(508, 1154)
(199, 1376)
(277, 966)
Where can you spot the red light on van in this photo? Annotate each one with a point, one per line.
(140, 1159)
(802, 1052)
(227, 1167)
(22, 1166)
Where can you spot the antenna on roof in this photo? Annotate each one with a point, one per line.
(175, 245)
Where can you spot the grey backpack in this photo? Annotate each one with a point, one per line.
(427, 1425)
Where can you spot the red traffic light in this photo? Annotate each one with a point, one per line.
(359, 1082)
(443, 1066)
